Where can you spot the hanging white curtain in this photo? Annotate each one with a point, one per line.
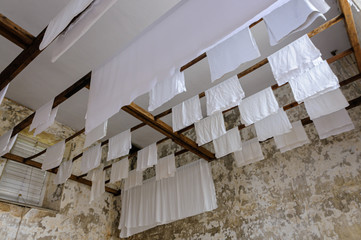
(119, 170)
(53, 156)
(42, 127)
(165, 167)
(119, 145)
(228, 143)
(97, 177)
(190, 192)
(210, 128)
(91, 158)
(42, 115)
(64, 172)
(96, 134)
(251, 152)
(135, 178)
(186, 113)
(147, 157)
(3, 93)
(297, 137)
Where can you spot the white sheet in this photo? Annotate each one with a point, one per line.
(223, 96)
(333, 124)
(147, 157)
(258, 106)
(165, 167)
(4, 140)
(135, 178)
(64, 172)
(210, 128)
(91, 158)
(186, 113)
(53, 156)
(42, 127)
(3, 93)
(9, 145)
(251, 152)
(227, 143)
(42, 115)
(297, 137)
(97, 177)
(119, 170)
(292, 17)
(231, 53)
(166, 89)
(273, 125)
(169, 43)
(294, 59)
(119, 145)
(96, 134)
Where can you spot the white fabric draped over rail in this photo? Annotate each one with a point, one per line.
(53, 156)
(3, 93)
(96, 134)
(190, 192)
(186, 113)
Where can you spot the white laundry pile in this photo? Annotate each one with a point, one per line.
(119, 170)
(228, 143)
(91, 158)
(165, 167)
(119, 145)
(251, 152)
(147, 157)
(186, 113)
(64, 172)
(135, 178)
(97, 177)
(297, 137)
(210, 128)
(96, 134)
(53, 156)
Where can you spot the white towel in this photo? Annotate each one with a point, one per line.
(119, 145)
(297, 137)
(294, 59)
(231, 53)
(9, 146)
(333, 124)
(228, 143)
(97, 177)
(258, 106)
(3, 93)
(64, 172)
(135, 178)
(251, 152)
(53, 156)
(96, 134)
(42, 127)
(42, 115)
(119, 170)
(292, 17)
(318, 80)
(165, 167)
(223, 96)
(210, 128)
(325, 103)
(4, 140)
(186, 113)
(273, 125)
(91, 158)
(147, 157)
(166, 90)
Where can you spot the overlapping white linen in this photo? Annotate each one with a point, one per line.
(294, 59)
(147, 157)
(297, 137)
(292, 17)
(165, 167)
(190, 192)
(53, 156)
(42, 115)
(3, 93)
(119, 145)
(64, 172)
(97, 177)
(223, 96)
(333, 124)
(91, 158)
(62, 20)
(273, 125)
(135, 178)
(42, 127)
(318, 80)
(231, 53)
(119, 170)
(258, 106)
(210, 128)
(96, 134)
(4, 140)
(251, 152)
(186, 113)
(174, 39)
(227, 143)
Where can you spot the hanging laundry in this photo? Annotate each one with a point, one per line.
(53, 156)
(135, 178)
(210, 128)
(258, 106)
(186, 113)
(251, 152)
(119, 145)
(333, 124)
(91, 158)
(96, 134)
(273, 125)
(294, 59)
(42, 115)
(119, 170)
(231, 53)
(147, 157)
(228, 143)
(64, 172)
(223, 96)
(4, 140)
(297, 137)
(9, 145)
(3, 93)
(166, 90)
(165, 167)
(292, 17)
(42, 127)
(97, 177)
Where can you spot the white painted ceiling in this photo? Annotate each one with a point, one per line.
(43, 80)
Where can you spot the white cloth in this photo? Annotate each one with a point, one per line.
(91, 158)
(210, 128)
(3, 93)
(169, 43)
(62, 20)
(228, 143)
(64, 172)
(294, 59)
(297, 137)
(119, 145)
(165, 90)
(258, 106)
(325, 104)
(119, 170)
(96, 134)
(165, 167)
(42, 115)
(223, 96)
(42, 127)
(79, 27)
(9, 145)
(231, 53)
(186, 113)
(333, 124)
(4, 140)
(97, 177)
(53, 156)
(147, 157)
(318, 80)
(135, 178)
(292, 17)
(190, 192)
(251, 152)
(273, 125)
